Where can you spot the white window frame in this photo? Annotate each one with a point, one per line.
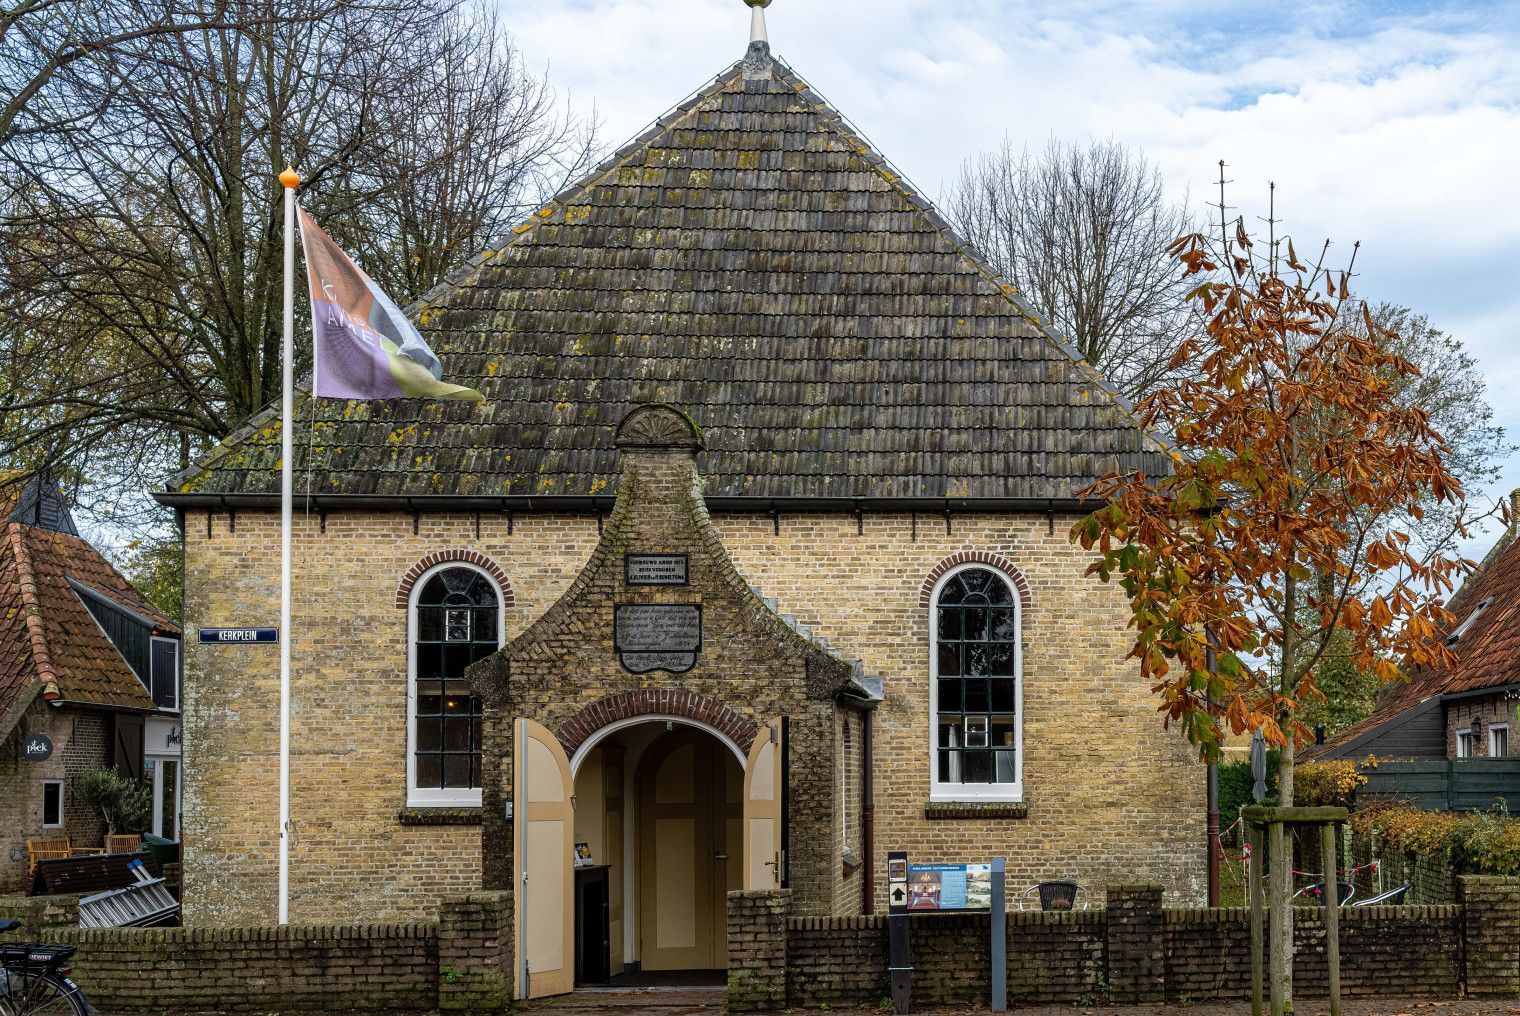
(975, 792)
(437, 797)
(61, 817)
(1498, 728)
(1467, 734)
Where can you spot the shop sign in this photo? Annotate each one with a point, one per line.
(37, 748)
(655, 569)
(949, 886)
(657, 636)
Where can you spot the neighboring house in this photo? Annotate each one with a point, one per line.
(888, 447)
(1470, 709)
(85, 662)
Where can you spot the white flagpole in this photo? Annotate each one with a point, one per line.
(289, 180)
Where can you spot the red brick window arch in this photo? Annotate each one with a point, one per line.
(976, 699)
(470, 557)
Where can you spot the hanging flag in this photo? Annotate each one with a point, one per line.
(363, 346)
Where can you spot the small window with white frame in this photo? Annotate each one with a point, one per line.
(456, 619)
(976, 700)
(52, 804)
(1464, 744)
(1498, 740)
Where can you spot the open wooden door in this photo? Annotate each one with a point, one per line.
(762, 810)
(544, 794)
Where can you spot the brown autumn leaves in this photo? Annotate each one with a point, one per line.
(1277, 533)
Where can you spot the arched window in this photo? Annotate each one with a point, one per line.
(456, 620)
(976, 698)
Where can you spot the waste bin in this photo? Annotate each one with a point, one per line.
(162, 850)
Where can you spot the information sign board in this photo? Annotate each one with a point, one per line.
(949, 887)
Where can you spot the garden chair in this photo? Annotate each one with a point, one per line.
(123, 844)
(1391, 898)
(1056, 894)
(45, 848)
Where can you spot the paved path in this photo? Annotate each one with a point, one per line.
(706, 1002)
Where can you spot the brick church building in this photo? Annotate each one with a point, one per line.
(753, 566)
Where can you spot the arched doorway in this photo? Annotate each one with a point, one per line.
(660, 806)
(666, 815)
(690, 812)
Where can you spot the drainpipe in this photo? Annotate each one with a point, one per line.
(868, 813)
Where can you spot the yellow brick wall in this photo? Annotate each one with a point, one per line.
(1111, 797)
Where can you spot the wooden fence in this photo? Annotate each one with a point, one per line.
(1455, 784)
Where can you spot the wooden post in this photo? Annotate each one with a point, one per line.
(1279, 924)
(1328, 856)
(1258, 940)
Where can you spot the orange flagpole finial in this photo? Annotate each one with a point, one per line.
(290, 178)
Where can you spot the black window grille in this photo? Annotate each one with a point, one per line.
(976, 636)
(456, 625)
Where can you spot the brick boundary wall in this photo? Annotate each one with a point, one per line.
(1135, 950)
(462, 962)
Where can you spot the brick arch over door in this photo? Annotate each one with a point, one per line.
(421, 568)
(656, 702)
(998, 561)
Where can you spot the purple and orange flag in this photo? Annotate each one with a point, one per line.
(365, 348)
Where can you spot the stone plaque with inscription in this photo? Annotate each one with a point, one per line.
(656, 569)
(658, 636)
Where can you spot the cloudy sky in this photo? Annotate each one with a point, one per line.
(1393, 123)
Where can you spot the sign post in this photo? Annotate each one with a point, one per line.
(899, 949)
(999, 936)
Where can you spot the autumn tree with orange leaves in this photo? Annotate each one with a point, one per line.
(1277, 531)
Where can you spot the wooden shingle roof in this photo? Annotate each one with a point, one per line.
(751, 260)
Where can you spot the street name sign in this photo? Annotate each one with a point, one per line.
(239, 636)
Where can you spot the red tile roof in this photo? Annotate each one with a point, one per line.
(48, 637)
(1487, 654)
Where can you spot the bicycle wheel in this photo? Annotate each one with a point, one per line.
(41, 995)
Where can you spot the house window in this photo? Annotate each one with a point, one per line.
(1464, 744)
(976, 698)
(1498, 741)
(52, 804)
(456, 620)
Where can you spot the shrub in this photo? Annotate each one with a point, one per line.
(1329, 784)
(125, 804)
(1480, 843)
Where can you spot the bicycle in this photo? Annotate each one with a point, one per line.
(34, 979)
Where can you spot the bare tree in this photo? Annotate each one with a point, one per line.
(1082, 232)
(140, 260)
(58, 57)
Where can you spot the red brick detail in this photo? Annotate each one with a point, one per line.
(421, 568)
(998, 561)
(657, 702)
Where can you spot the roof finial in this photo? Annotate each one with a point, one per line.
(757, 21)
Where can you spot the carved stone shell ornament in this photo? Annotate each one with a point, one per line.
(658, 427)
